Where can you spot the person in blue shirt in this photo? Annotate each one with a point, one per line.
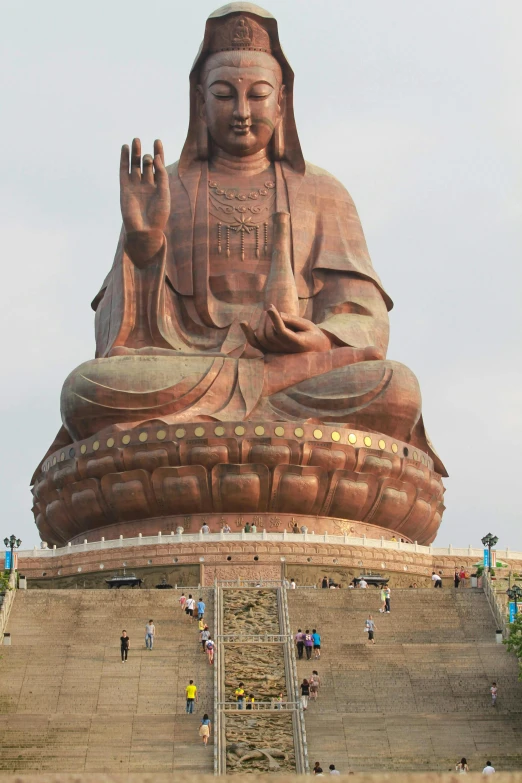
(201, 608)
(317, 644)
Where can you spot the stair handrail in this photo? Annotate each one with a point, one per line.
(7, 604)
(219, 685)
(292, 684)
(497, 609)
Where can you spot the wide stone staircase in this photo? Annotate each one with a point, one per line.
(67, 703)
(419, 698)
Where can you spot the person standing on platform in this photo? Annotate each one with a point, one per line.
(226, 528)
(205, 529)
(456, 578)
(324, 583)
(150, 633)
(292, 584)
(309, 644)
(383, 600)
(435, 578)
(239, 693)
(363, 584)
(191, 692)
(299, 640)
(371, 628)
(333, 771)
(124, 646)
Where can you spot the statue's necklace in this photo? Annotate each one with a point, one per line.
(244, 213)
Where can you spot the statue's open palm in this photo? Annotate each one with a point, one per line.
(144, 194)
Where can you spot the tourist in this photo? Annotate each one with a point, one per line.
(189, 606)
(316, 767)
(292, 584)
(462, 575)
(250, 701)
(191, 692)
(226, 528)
(180, 530)
(239, 693)
(333, 771)
(150, 632)
(205, 529)
(324, 583)
(494, 692)
(253, 527)
(299, 640)
(201, 608)
(488, 769)
(371, 628)
(305, 693)
(295, 528)
(204, 637)
(309, 644)
(456, 578)
(319, 772)
(383, 600)
(204, 729)
(393, 539)
(303, 529)
(209, 647)
(201, 626)
(435, 578)
(387, 597)
(247, 528)
(363, 583)
(279, 702)
(182, 601)
(124, 645)
(317, 644)
(462, 767)
(314, 683)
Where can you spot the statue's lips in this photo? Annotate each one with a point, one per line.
(241, 130)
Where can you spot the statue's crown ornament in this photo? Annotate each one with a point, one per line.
(240, 33)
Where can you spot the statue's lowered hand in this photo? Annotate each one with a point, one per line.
(283, 333)
(144, 192)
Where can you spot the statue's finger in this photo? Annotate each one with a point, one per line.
(158, 150)
(276, 321)
(136, 159)
(148, 172)
(160, 172)
(250, 335)
(124, 162)
(296, 322)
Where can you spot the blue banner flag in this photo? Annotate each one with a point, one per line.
(512, 611)
(7, 560)
(486, 558)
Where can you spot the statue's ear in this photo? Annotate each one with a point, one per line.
(202, 140)
(200, 97)
(278, 139)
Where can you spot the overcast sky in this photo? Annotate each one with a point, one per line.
(414, 106)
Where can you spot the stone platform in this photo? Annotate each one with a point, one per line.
(154, 477)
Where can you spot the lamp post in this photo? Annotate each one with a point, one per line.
(489, 541)
(12, 543)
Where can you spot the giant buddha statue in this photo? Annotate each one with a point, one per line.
(241, 337)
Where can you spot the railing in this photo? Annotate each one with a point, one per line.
(250, 583)
(313, 538)
(498, 609)
(220, 748)
(7, 604)
(232, 706)
(292, 685)
(237, 638)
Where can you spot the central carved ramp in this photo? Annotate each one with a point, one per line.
(255, 648)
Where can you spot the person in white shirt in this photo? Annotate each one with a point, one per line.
(334, 771)
(363, 583)
(435, 578)
(292, 584)
(205, 528)
(226, 529)
(488, 769)
(150, 632)
(189, 606)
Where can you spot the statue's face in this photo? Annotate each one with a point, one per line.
(241, 106)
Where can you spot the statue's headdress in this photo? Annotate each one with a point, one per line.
(243, 27)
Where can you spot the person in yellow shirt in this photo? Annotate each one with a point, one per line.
(192, 696)
(201, 625)
(239, 693)
(250, 700)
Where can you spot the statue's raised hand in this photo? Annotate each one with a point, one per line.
(144, 194)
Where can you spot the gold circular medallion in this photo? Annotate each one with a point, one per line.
(279, 431)
(125, 439)
(352, 438)
(199, 432)
(318, 434)
(239, 430)
(367, 441)
(143, 436)
(219, 431)
(96, 445)
(395, 448)
(110, 443)
(299, 432)
(161, 434)
(83, 448)
(259, 430)
(180, 433)
(382, 444)
(336, 436)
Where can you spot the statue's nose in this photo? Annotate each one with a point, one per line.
(242, 108)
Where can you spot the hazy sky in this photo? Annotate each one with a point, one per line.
(414, 106)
